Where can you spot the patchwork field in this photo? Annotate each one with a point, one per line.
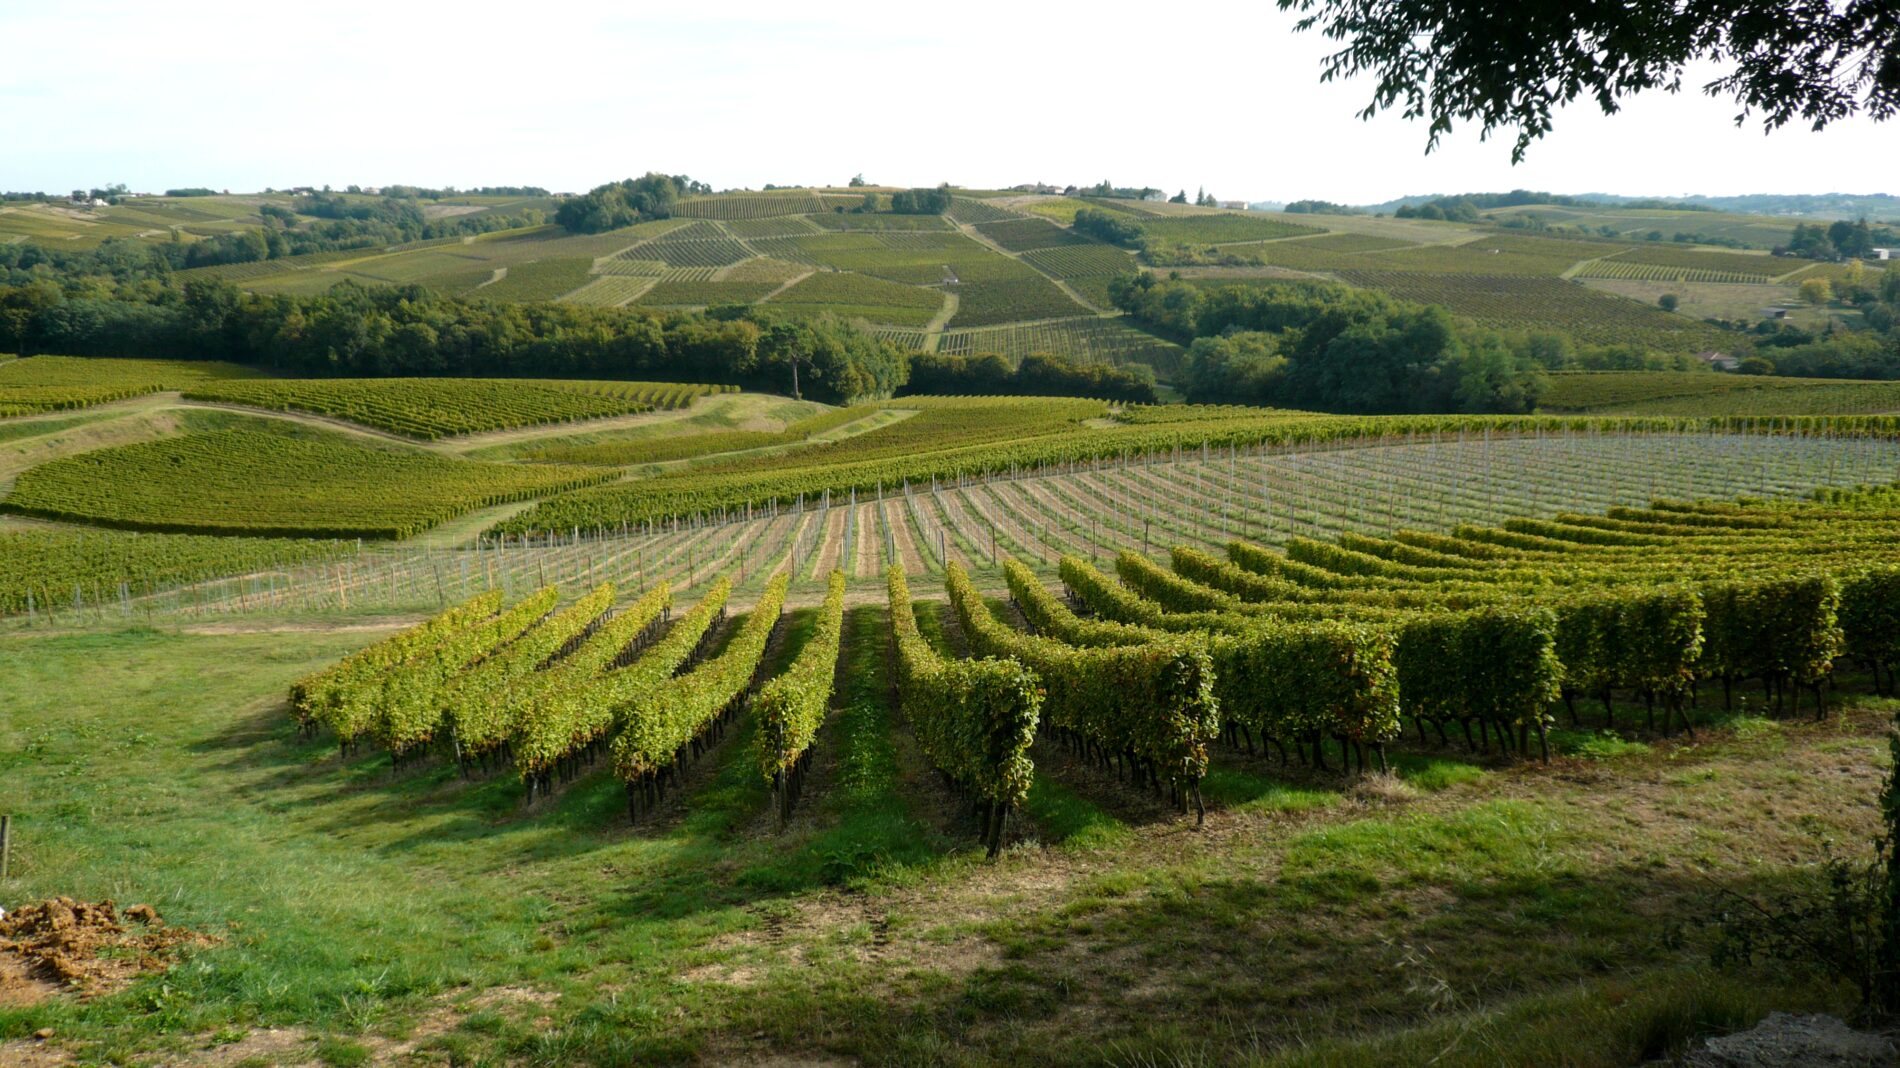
(1015, 259)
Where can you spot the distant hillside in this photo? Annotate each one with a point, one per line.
(1876, 206)
(1820, 205)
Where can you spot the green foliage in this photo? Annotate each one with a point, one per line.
(582, 704)
(1779, 629)
(1113, 229)
(1333, 349)
(262, 483)
(920, 201)
(791, 707)
(61, 383)
(658, 723)
(618, 204)
(44, 567)
(476, 704)
(1284, 679)
(343, 696)
(412, 704)
(1155, 702)
(432, 408)
(1037, 375)
(975, 718)
(1869, 616)
(1497, 665)
(407, 330)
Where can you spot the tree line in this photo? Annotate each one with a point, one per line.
(383, 331)
(1039, 375)
(409, 330)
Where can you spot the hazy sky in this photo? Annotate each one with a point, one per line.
(568, 95)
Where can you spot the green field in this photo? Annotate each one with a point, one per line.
(1710, 394)
(59, 383)
(266, 483)
(1106, 903)
(48, 570)
(1524, 302)
(430, 408)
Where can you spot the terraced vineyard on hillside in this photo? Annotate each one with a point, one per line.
(743, 248)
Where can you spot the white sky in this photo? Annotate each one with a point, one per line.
(1225, 95)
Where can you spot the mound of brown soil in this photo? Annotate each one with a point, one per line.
(85, 947)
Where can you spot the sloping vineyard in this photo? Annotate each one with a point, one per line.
(1426, 479)
(268, 484)
(429, 408)
(59, 383)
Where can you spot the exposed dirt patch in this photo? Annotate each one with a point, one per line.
(86, 948)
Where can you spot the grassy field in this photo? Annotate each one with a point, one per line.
(1466, 910)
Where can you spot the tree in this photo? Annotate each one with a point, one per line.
(1816, 291)
(1507, 66)
(921, 201)
(1668, 302)
(856, 181)
(618, 204)
(1114, 229)
(1756, 365)
(1178, 198)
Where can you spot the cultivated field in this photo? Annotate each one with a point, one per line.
(1011, 259)
(745, 749)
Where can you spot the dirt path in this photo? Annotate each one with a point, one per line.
(929, 506)
(898, 517)
(869, 542)
(831, 545)
(933, 330)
